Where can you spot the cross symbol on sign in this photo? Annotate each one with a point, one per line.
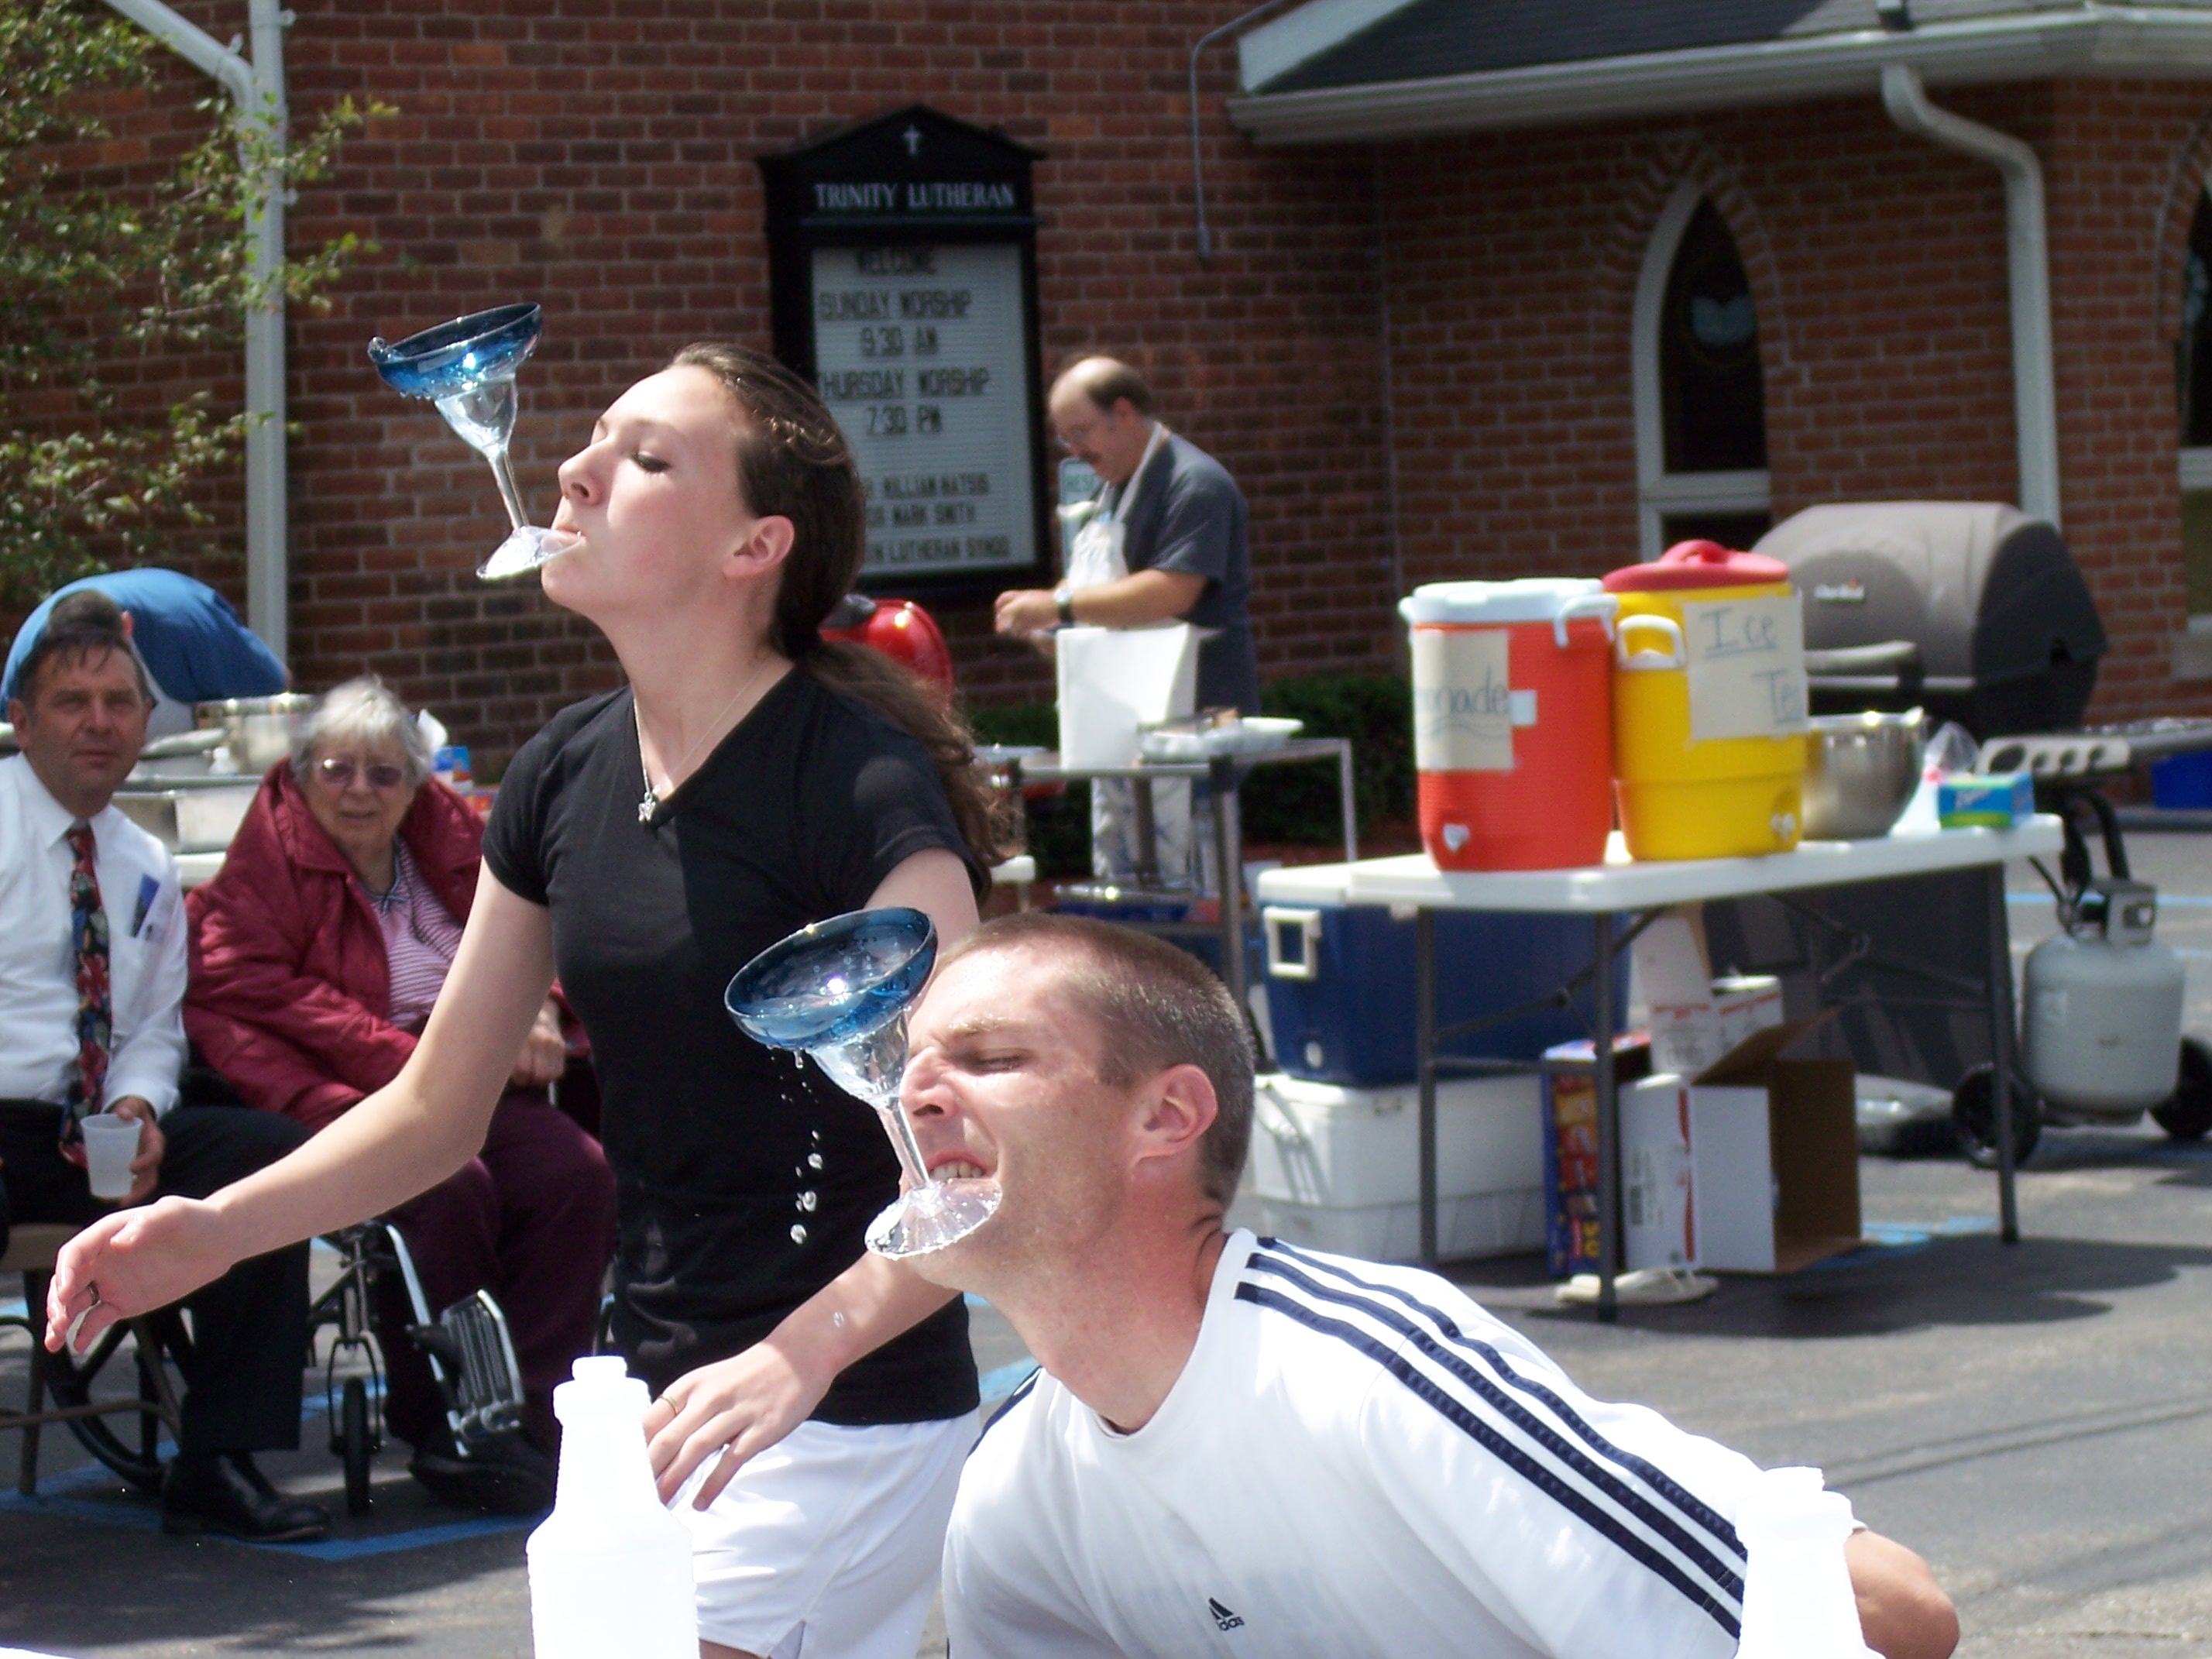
(913, 137)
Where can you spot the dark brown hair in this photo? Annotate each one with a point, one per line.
(1152, 1007)
(84, 627)
(793, 463)
(1106, 381)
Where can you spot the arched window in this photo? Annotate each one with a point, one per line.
(1701, 399)
(2192, 364)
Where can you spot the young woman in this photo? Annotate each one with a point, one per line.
(752, 777)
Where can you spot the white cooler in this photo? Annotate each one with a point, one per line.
(1337, 1167)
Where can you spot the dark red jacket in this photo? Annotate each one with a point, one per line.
(290, 996)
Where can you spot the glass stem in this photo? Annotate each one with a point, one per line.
(909, 1149)
(508, 493)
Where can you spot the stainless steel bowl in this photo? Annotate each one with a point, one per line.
(1860, 774)
(256, 729)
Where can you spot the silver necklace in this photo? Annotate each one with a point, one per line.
(649, 802)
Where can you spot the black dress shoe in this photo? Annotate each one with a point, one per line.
(502, 1474)
(224, 1492)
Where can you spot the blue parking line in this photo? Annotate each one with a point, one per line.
(999, 1383)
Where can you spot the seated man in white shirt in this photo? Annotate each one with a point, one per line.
(1236, 1442)
(92, 985)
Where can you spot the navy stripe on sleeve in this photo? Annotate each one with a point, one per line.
(1694, 1509)
(1544, 1479)
(1715, 1559)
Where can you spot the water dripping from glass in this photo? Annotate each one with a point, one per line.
(814, 1160)
(807, 1201)
(797, 1233)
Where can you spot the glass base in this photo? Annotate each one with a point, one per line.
(525, 550)
(930, 1218)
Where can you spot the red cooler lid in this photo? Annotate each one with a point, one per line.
(1697, 564)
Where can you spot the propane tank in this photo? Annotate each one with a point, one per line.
(2101, 1035)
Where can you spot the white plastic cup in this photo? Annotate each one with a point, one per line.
(110, 1144)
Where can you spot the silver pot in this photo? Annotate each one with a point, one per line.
(1860, 774)
(258, 731)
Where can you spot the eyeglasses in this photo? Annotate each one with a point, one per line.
(380, 775)
(1076, 437)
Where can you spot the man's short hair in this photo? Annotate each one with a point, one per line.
(1152, 1007)
(84, 627)
(1106, 381)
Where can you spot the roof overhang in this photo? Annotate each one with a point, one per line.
(2147, 41)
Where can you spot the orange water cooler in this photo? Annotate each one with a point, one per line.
(1513, 721)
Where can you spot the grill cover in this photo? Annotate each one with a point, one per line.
(2007, 634)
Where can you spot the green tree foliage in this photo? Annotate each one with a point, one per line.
(94, 276)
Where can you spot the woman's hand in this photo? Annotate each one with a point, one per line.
(545, 1054)
(736, 1406)
(132, 1263)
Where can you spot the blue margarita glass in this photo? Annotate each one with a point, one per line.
(840, 991)
(466, 368)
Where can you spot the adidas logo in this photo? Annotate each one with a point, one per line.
(1223, 1618)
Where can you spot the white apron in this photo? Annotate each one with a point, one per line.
(1096, 533)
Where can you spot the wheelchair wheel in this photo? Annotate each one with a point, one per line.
(350, 1440)
(68, 1380)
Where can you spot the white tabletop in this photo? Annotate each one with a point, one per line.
(1622, 883)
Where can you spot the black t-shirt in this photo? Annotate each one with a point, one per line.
(746, 1182)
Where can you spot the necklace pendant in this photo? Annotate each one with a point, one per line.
(647, 804)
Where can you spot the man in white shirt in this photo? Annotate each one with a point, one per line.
(92, 984)
(1237, 1445)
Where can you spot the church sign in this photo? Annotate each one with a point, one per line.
(903, 270)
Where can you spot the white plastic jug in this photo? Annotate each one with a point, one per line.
(1798, 1599)
(610, 1568)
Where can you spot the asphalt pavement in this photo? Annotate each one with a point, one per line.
(2036, 1419)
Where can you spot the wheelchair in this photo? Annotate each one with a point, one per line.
(469, 1351)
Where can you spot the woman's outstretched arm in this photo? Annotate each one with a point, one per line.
(399, 1141)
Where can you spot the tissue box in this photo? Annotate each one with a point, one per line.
(2000, 800)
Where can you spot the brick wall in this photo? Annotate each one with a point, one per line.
(1877, 265)
(602, 162)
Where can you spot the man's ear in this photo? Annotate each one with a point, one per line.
(766, 545)
(128, 624)
(1179, 1108)
(16, 711)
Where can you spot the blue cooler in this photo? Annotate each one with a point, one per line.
(1148, 910)
(1340, 979)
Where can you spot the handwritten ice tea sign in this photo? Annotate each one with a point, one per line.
(918, 352)
(1747, 667)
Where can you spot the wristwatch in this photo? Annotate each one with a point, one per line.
(1065, 598)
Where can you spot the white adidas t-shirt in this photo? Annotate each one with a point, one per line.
(1356, 1460)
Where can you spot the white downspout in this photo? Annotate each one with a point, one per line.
(2034, 397)
(257, 90)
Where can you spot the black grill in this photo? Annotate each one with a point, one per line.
(1971, 610)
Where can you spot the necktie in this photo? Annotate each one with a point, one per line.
(88, 933)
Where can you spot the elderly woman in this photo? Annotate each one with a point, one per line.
(317, 954)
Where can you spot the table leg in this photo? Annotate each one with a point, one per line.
(1148, 840)
(2001, 1042)
(1229, 862)
(1350, 802)
(1424, 1057)
(1608, 1123)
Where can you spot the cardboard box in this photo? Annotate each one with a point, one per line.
(1658, 1212)
(1689, 1036)
(1571, 1144)
(1774, 1166)
(2001, 800)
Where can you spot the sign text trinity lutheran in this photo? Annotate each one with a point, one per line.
(904, 277)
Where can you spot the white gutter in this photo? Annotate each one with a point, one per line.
(2163, 42)
(2034, 397)
(256, 88)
